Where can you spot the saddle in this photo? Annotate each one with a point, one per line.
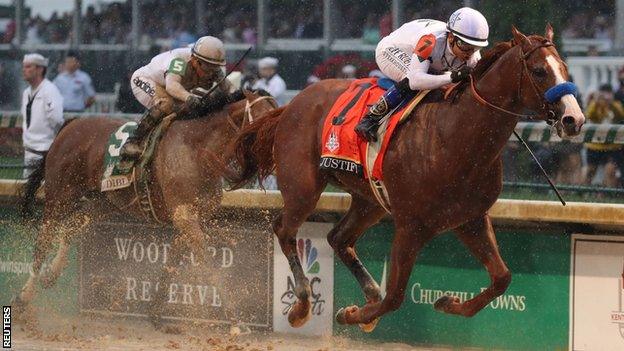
(343, 150)
(113, 179)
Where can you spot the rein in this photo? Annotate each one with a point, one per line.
(546, 106)
(248, 116)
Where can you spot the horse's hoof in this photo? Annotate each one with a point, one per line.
(299, 314)
(368, 328)
(341, 315)
(444, 303)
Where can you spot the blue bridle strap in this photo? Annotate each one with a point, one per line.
(555, 93)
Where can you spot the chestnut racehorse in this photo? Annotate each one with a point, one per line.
(442, 171)
(186, 186)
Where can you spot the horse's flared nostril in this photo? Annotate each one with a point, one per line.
(568, 121)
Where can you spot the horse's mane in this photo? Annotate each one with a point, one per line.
(493, 54)
(489, 57)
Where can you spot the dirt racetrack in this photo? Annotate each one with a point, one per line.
(86, 332)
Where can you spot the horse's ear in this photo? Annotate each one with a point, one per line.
(520, 38)
(550, 32)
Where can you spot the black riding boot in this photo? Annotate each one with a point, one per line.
(367, 128)
(131, 150)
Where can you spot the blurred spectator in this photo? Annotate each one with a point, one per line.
(41, 109)
(312, 79)
(370, 33)
(619, 94)
(270, 80)
(592, 51)
(75, 85)
(348, 72)
(603, 109)
(9, 32)
(183, 37)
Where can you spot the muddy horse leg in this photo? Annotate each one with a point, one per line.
(478, 235)
(188, 236)
(299, 201)
(43, 244)
(74, 225)
(407, 243)
(360, 216)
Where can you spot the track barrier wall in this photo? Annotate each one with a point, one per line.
(567, 290)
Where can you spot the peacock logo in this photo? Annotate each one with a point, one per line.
(308, 256)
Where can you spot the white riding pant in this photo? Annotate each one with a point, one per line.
(144, 89)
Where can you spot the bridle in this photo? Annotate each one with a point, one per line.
(547, 108)
(248, 115)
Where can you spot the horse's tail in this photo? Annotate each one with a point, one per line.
(253, 149)
(29, 190)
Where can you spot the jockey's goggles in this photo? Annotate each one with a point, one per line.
(463, 46)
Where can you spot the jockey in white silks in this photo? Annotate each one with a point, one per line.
(425, 54)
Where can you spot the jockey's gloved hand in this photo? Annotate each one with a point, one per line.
(461, 74)
(193, 102)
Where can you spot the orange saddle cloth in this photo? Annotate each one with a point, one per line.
(341, 148)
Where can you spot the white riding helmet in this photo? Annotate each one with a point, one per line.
(209, 49)
(470, 26)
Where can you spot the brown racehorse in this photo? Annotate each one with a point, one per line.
(442, 171)
(186, 186)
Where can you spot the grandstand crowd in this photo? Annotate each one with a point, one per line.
(109, 23)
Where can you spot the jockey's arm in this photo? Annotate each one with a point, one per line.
(420, 79)
(173, 85)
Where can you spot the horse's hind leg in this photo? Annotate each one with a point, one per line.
(360, 216)
(478, 236)
(300, 198)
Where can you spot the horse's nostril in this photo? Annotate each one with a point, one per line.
(568, 120)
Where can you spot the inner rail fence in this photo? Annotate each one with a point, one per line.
(537, 132)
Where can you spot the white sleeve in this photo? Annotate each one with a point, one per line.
(474, 59)
(54, 109)
(420, 79)
(277, 87)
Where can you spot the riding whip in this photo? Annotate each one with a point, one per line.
(552, 185)
(233, 69)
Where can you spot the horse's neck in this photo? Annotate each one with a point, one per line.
(499, 86)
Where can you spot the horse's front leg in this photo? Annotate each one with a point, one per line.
(342, 238)
(405, 248)
(478, 235)
(187, 236)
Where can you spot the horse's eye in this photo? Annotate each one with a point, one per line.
(539, 72)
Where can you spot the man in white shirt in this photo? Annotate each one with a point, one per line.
(270, 80)
(75, 85)
(41, 109)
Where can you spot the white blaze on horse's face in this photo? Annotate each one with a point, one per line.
(573, 118)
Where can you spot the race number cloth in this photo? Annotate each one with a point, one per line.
(341, 148)
(112, 179)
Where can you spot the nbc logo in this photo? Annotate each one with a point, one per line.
(308, 256)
